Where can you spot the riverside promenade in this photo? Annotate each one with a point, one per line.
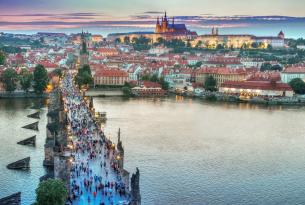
(96, 168)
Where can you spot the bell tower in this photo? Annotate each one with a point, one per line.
(164, 23)
(158, 26)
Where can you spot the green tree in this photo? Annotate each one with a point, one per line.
(188, 43)
(51, 192)
(117, 40)
(160, 40)
(58, 72)
(40, 79)
(141, 43)
(126, 40)
(2, 58)
(298, 85)
(265, 67)
(25, 79)
(210, 84)
(154, 78)
(9, 78)
(127, 91)
(84, 76)
(164, 84)
(198, 64)
(220, 47)
(199, 44)
(254, 45)
(276, 67)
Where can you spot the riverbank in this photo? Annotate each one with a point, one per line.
(294, 101)
(102, 92)
(221, 97)
(4, 95)
(208, 96)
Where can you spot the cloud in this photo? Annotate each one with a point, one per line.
(54, 14)
(153, 12)
(84, 14)
(79, 20)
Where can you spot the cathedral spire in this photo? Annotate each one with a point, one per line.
(119, 136)
(165, 17)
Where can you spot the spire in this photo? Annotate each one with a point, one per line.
(165, 17)
(119, 136)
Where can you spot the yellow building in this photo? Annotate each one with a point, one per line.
(110, 77)
(237, 41)
(221, 75)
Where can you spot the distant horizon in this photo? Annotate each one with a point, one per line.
(235, 24)
(260, 17)
(253, 25)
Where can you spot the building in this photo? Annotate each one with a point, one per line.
(96, 38)
(214, 39)
(134, 72)
(147, 88)
(107, 51)
(159, 50)
(295, 71)
(163, 29)
(250, 89)
(221, 75)
(110, 77)
(84, 54)
(252, 62)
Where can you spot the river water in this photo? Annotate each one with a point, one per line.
(188, 151)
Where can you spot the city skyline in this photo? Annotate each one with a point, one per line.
(69, 16)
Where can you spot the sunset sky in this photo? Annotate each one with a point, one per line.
(62, 15)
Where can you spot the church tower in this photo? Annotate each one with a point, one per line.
(281, 35)
(84, 55)
(158, 26)
(164, 23)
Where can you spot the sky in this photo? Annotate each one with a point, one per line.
(108, 16)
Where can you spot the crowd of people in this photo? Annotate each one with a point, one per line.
(95, 177)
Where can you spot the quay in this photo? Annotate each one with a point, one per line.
(78, 152)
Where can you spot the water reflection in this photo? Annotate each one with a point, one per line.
(189, 151)
(196, 152)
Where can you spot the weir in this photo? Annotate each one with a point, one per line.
(20, 164)
(28, 141)
(14, 199)
(32, 126)
(35, 115)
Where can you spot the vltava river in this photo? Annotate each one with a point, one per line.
(188, 151)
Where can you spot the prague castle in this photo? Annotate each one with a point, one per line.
(164, 29)
(168, 29)
(238, 40)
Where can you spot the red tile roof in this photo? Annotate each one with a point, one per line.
(149, 84)
(295, 69)
(111, 73)
(221, 70)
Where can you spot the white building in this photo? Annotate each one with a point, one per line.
(289, 73)
(134, 72)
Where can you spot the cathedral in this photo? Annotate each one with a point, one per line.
(165, 27)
